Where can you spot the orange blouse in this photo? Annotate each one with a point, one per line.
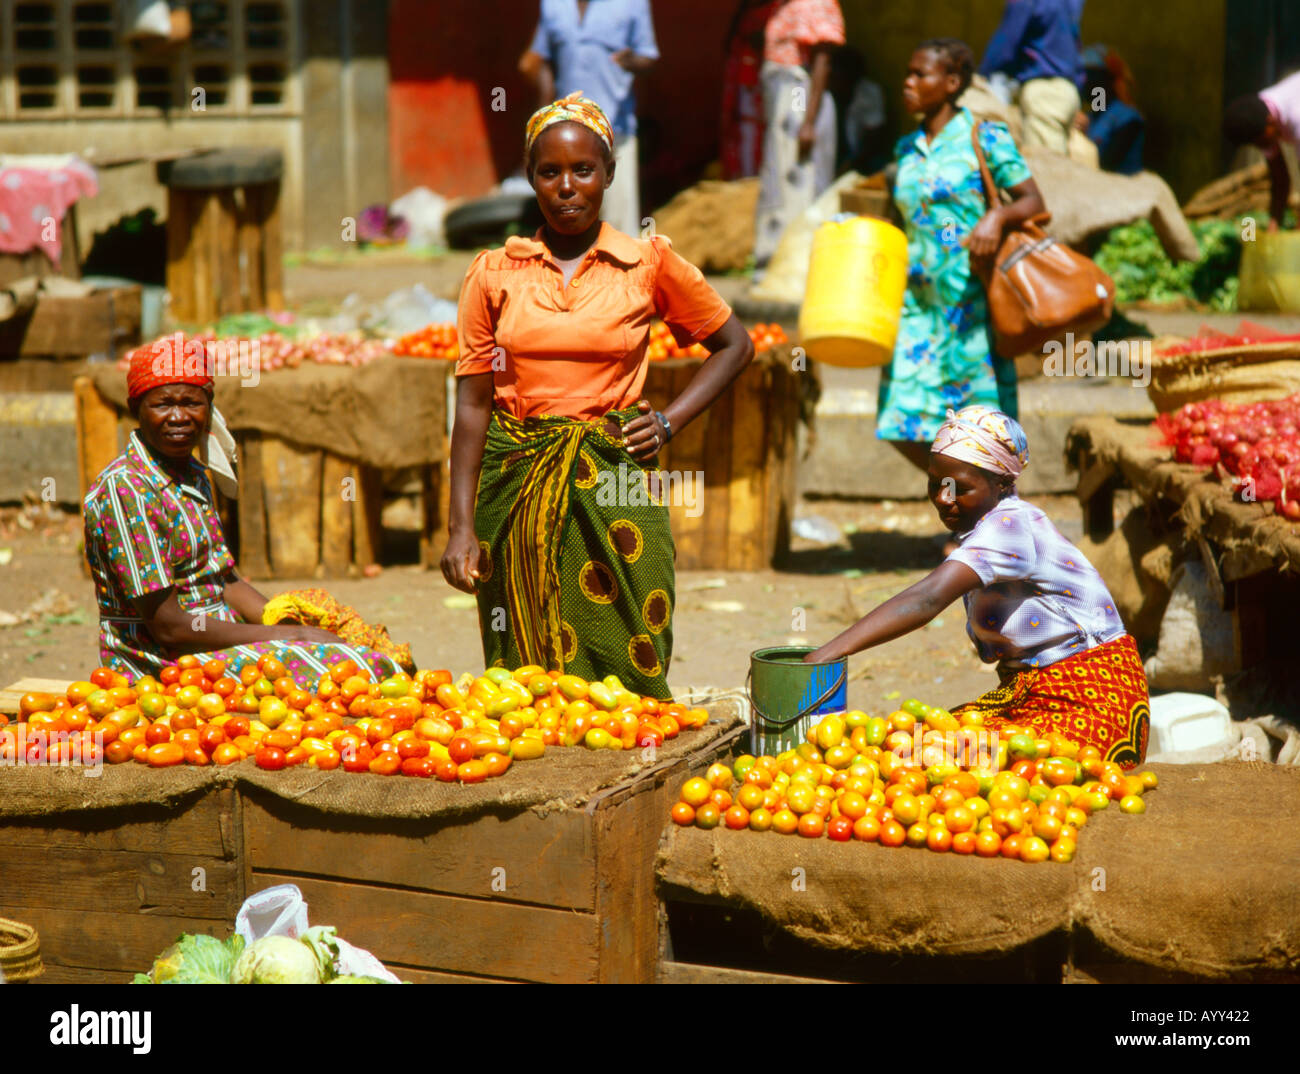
(577, 351)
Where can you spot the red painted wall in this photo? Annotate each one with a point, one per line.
(446, 58)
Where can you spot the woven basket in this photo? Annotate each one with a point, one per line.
(1241, 374)
(20, 952)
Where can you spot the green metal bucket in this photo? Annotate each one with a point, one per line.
(786, 696)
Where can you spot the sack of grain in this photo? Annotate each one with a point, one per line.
(1197, 638)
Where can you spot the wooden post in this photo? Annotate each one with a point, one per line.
(250, 250)
(180, 253)
(367, 522)
(253, 561)
(750, 481)
(338, 490)
(97, 442)
(272, 250)
(230, 298)
(292, 477)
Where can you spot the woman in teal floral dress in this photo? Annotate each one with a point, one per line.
(943, 357)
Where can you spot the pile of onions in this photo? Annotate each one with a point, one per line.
(1256, 446)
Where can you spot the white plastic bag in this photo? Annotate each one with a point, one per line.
(424, 212)
(282, 911)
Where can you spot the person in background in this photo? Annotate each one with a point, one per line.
(944, 356)
(1108, 115)
(860, 104)
(741, 138)
(799, 141)
(1265, 120)
(600, 46)
(1037, 45)
(1034, 604)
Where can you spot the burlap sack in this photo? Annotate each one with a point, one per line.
(1121, 560)
(864, 897)
(1207, 881)
(1203, 883)
(712, 224)
(389, 413)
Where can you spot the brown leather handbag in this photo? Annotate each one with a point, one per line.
(1038, 288)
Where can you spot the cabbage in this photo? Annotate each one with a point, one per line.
(277, 960)
(352, 978)
(194, 960)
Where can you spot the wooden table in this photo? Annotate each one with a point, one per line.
(556, 894)
(1251, 555)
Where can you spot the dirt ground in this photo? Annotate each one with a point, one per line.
(720, 617)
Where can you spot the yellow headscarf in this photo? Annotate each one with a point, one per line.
(575, 108)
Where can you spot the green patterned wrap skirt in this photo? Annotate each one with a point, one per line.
(576, 553)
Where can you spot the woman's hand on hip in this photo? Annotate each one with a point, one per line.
(644, 435)
(984, 240)
(460, 561)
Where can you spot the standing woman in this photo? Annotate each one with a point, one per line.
(741, 130)
(943, 357)
(568, 551)
(799, 138)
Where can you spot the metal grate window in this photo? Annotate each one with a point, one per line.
(63, 58)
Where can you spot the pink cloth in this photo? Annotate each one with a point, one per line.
(30, 196)
(1283, 101)
(797, 25)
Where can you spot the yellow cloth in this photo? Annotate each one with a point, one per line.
(315, 607)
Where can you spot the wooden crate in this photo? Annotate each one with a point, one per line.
(105, 322)
(426, 897)
(745, 446)
(109, 891)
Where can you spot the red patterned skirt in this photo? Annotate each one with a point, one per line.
(1096, 698)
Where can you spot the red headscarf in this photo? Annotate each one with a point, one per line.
(165, 362)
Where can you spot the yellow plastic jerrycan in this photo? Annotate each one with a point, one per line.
(1270, 273)
(856, 278)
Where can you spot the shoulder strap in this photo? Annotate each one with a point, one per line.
(990, 187)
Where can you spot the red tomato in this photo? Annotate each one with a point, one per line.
(412, 748)
(386, 763)
(356, 758)
(461, 749)
(271, 758)
(423, 767)
(840, 829)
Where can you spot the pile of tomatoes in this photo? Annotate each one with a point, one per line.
(431, 341)
(439, 341)
(662, 345)
(898, 782)
(423, 725)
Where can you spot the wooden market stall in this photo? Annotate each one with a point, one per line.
(1251, 554)
(543, 874)
(1178, 894)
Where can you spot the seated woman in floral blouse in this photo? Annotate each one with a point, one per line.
(164, 579)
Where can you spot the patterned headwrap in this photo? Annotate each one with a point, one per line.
(575, 108)
(984, 437)
(165, 362)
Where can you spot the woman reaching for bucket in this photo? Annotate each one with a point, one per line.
(1033, 602)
